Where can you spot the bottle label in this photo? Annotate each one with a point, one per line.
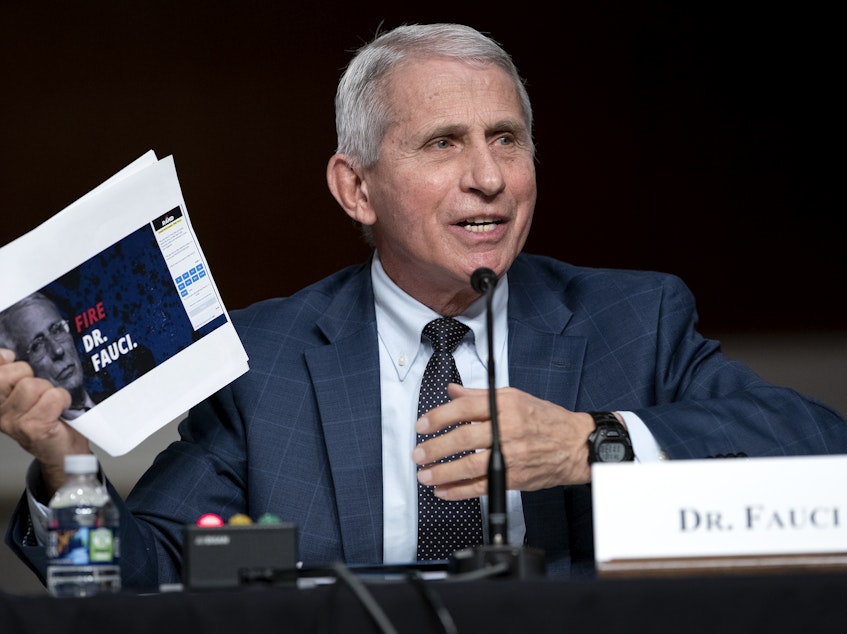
(101, 545)
(82, 546)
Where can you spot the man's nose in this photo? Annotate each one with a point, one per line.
(55, 349)
(483, 171)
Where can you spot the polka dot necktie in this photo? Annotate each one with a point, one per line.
(443, 526)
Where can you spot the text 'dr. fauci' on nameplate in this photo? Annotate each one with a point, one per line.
(720, 516)
(113, 299)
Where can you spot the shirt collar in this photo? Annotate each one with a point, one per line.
(401, 318)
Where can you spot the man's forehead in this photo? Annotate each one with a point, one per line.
(40, 305)
(455, 95)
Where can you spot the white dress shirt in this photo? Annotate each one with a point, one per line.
(403, 355)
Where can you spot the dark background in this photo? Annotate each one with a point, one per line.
(692, 137)
(695, 139)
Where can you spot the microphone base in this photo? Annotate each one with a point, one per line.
(522, 562)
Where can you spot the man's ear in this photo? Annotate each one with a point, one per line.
(349, 189)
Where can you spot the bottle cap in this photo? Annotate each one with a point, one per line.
(81, 463)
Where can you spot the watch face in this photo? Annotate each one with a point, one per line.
(611, 451)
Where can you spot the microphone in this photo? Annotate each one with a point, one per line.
(497, 555)
(483, 280)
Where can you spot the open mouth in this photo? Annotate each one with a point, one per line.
(480, 225)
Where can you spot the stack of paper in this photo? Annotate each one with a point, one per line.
(136, 303)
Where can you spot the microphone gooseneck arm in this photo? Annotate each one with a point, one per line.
(484, 280)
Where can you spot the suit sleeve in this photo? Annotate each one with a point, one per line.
(707, 405)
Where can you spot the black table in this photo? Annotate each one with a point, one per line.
(720, 604)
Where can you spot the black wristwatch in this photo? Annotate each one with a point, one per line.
(609, 442)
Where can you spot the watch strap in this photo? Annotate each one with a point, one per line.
(605, 418)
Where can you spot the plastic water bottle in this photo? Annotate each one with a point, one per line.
(83, 547)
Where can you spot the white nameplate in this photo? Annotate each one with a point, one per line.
(720, 508)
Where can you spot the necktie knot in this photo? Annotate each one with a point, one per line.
(445, 333)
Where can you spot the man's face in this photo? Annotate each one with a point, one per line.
(454, 188)
(41, 337)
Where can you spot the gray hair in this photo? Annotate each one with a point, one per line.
(7, 340)
(363, 114)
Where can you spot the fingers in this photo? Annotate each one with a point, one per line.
(466, 405)
(47, 401)
(464, 438)
(30, 408)
(11, 372)
(543, 444)
(462, 489)
(466, 476)
(34, 396)
(29, 414)
(30, 404)
(457, 479)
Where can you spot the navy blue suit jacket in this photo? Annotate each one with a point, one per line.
(299, 434)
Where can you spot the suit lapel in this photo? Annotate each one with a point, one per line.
(546, 363)
(542, 359)
(345, 375)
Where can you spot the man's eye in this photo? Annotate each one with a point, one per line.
(37, 345)
(442, 143)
